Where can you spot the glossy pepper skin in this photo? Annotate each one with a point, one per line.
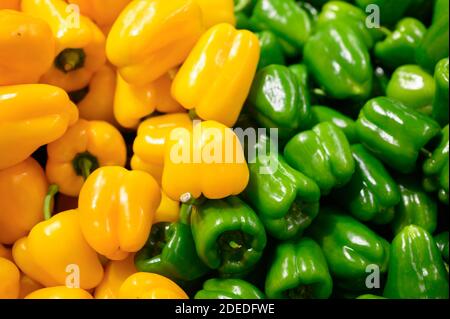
(416, 270)
(207, 160)
(442, 244)
(412, 86)
(143, 285)
(434, 45)
(441, 9)
(271, 49)
(21, 34)
(31, 116)
(323, 154)
(133, 103)
(299, 271)
(149, 145)
(103, 16)
(218, 288)
(10, 4)
(59, 292)
(80, 50)
(286, 200)
(23, 188)
(116, 209)
(326, 114)
(170, 252)
(86, 146)
(352, 15)
(216, 77)
(228, 235)
(394, 133)
(96, 101)
(342, 76)
(9, 279)
(415, 208)
(116, 272)
(441, 100)
(372, 193)
(158, 35)
(218, 11)
(277, 100)
(168, 210)
(54, 244)
(349, 247)
(436, 168)
(285, 19)
(399, 46)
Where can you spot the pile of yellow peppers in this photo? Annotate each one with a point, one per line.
(77, 76)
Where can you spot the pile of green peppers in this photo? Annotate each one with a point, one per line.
(357, 205)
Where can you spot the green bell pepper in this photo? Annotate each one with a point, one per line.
(349, 248)
(434, 46)
(441, 10)
(228, 289)
(326, 114)
(442, 244)
(286, 200)
(416, 269)
(271, 49)
(323, 154)
(170, 252)
(415, 208)
(228, 235)
(441, 100)
(371, 194)
(301, 73)
(369, 296)
(342, 76)
(412, 86)
(284, 18)
(243, 22)
(298, 271)
(352, 15)
(394, 132)
(244, 6)
(436, 168)
(276, 101)
(390, 11)
(399, 47)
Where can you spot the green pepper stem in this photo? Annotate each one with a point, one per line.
(70, 60)
(193, 114)
(86, 166)
(48, 200)
(426, 152)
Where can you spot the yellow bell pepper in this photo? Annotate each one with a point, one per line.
(150, 37)
(86, 146)
(21, 34)
(132, 102)
(143, 285)
(23, 188)
(9, 279)
(60, 292)
(102, 14)
(31, 115)
(27, 286)
(208, 160)
(217, 11)
(216, 77)
(116, 272)
(10, 4)
(117, 208)
(5, 252)
(96, 101)
(168, 211)
(80, 44)
(52, 247)
(149, 144)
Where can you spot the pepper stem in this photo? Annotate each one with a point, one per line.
(48, 200)
(188, 203)
(70, 60)
(426, 152)
(84, 164)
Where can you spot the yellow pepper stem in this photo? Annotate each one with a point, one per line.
(70, 60)
(48, 200)
(84, 164)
